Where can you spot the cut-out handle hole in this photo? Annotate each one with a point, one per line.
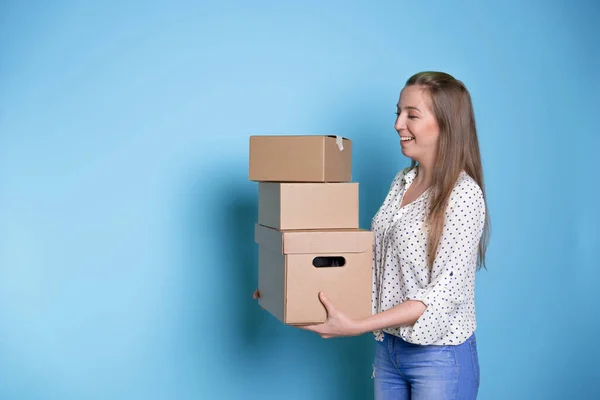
(324, 262)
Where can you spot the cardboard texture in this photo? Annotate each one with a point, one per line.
(299, 159)
(308, 205)
(295, 265)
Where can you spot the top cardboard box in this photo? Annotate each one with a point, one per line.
(300, 159)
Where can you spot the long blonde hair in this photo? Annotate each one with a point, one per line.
(457, 150)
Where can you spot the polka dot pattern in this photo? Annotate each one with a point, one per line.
(400, 271)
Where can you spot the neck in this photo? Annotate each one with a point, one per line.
(424, 175)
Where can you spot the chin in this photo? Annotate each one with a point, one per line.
(407, 154)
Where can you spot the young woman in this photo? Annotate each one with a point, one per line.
(431, 234)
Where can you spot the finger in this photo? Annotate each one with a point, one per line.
(328, 306)
(256, 294)
(312, 328)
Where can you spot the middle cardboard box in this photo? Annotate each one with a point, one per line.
(289, 205)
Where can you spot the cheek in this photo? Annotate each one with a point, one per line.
(433, 137)
(432, 133)
(426, 134)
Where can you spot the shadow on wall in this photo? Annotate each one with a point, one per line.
(235, 210)
(255, 337)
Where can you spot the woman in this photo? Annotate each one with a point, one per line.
(430, 238)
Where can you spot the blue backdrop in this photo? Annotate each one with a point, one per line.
(127, 260)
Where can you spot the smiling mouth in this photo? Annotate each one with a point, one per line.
(406, 138)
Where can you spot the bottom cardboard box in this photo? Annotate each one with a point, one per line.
(295, 265)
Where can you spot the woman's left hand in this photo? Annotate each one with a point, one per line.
(337, 324)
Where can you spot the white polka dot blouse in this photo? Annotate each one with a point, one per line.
(400, 270)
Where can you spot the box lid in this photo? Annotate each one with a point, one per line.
(300, 136)
(314, 241)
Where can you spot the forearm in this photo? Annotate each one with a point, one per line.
(404, 314)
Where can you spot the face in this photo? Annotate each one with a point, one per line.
(416, 124)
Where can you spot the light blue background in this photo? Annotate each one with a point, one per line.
(127, 260)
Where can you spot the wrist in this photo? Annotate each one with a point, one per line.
(361, 326)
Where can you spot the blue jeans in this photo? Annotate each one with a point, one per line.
(409, 371)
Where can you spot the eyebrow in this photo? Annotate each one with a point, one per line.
(409, 108)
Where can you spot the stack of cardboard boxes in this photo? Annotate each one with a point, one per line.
(308, 232)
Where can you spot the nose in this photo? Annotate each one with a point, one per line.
(400, 123)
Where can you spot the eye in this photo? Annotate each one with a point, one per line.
(412, 117)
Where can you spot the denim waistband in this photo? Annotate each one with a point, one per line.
(398, 341)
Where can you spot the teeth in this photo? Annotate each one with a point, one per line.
(405, 138)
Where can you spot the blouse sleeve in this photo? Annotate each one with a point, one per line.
(453, 273)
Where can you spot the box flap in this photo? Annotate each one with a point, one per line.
(298, 136)
(327, 241)
(334, 136)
